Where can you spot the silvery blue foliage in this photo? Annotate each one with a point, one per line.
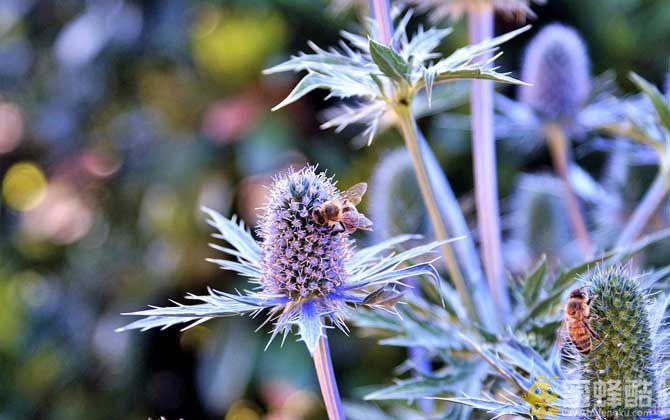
(630, 316)
(556, 66)
(304, 275)
(373, 73)
(526, 357)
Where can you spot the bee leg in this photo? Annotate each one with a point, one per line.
(588, 302)
(593, 333)
(338, 228)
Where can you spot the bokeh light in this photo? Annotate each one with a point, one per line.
(24, 186)
(11, 126)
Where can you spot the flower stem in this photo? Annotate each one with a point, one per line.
(324, 371)
(480, 25)
(643, 212)
(409, 132)
(558, 147)
(381, 12)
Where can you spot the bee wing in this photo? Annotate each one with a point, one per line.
(355, 193)
(383, 297)
(562, 334)
(357, 220)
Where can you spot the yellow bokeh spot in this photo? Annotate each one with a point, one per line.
(24, 186)
(232, 47)
(242, 410)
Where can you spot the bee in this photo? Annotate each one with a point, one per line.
(576, 321)
(341, 213)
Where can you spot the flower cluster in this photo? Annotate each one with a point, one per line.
(305, 274)
(300, 258)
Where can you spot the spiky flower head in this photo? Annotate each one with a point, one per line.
(304, 274)
(556, 66)
(629, 345)
(300, 258)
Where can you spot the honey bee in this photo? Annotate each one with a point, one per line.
(341, 213)
(576, 321)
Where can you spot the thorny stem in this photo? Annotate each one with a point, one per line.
(558, 147)
(480, 24)
(324, 371)
(643, 212)
(409, 132)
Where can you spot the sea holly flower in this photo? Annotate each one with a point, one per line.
(304, 274)
(560, 90)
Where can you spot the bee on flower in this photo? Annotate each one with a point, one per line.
(304, 274)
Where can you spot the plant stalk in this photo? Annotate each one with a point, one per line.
(409, 132)
(480, 25)
(324, 371)
(645, 210)
(381, 12)
(558, 147)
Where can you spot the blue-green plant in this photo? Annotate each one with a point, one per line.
(480, 21)
(515, 359)
(386, 76)
(304, 275)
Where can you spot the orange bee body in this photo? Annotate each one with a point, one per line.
(342, 212)
(577, 315)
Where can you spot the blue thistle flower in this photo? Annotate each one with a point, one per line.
(556, 66)
(306, 275)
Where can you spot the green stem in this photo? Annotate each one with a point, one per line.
(326, 375)
(409, 132)
(558, 147)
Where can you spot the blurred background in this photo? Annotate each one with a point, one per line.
(119, 119)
